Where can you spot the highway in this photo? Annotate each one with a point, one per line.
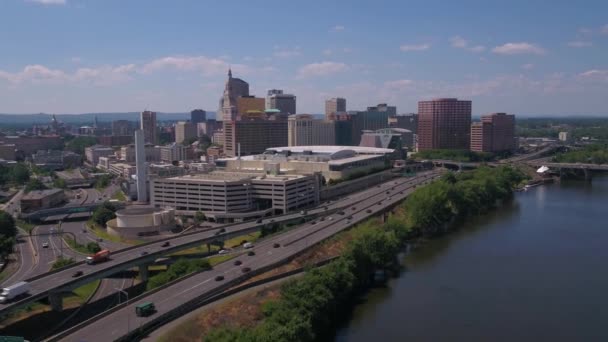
(267, 254)
(26, 261)
(123, 259)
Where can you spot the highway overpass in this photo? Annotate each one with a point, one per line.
(52, 284)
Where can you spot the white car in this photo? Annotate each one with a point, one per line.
(45, 245)
(222, 251)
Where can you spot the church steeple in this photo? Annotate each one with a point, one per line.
(229, 73)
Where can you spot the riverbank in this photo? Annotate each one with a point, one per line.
(307, 308)
(531, 271)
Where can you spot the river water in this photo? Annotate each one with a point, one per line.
(533, 270)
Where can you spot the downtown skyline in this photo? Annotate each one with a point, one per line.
(71, 56)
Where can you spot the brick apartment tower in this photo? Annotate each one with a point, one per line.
(444, 123)
(495, 133)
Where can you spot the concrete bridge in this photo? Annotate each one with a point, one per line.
(587, 169)
(87, 208)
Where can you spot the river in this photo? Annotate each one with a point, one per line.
(534, 270)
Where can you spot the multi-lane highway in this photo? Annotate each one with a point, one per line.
(127, 258)
(267, 254)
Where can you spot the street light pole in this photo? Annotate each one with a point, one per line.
(60, 238)
(126, 294)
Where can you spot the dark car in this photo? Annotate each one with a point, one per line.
(325, 208)
(349, 218)
(388, 192)
(340, 212)
(313, 222)
(237, 262)
(144, 253)
(219, 278)
(165, 244)
(77, 274)
(100, 240)
(251, 253)
(322, 219)
(217, 233)
(258, 221)
(276, 245)
(246, 269)
(354, 208)
(369, 211)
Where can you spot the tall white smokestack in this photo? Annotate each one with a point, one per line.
(140, 164)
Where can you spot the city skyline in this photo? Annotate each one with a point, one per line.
(71, 56)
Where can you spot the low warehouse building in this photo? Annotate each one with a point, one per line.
(41, 199)
(138, 221)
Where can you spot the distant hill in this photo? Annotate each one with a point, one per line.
(17, 119)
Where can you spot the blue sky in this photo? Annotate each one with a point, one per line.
(522, 57)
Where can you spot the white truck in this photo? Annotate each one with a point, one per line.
(15, 290)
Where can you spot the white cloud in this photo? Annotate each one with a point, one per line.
(338, 28)
(478, 48)
(206, 65)
(518, 49)
(528, 66)
(287, 52)
(40, 74)
(604, 29)
(321, 69)
(579, 44)
(49, 2)
(419, 47)
(594, 75)
(585, 31)
(458, 42)
(461, 43)
(76, 60)
(328, 52)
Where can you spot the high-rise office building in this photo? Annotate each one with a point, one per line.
(305, 130)
(197, 116)
(495, 133)
(373, 118)
(140, 163)
(184, 130)
(285, 103)
(406, 121)
(148, 125)
(333, 106)
(122, 127)
(444, 123)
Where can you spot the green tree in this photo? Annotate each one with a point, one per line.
(103, 182)
(104, 213)
(34, 184)
(199, 217)
(59, 183)
(78, 144)
(93, 247)
(62, 262)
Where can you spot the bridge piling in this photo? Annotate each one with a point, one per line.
(56, 301)
(143, 272)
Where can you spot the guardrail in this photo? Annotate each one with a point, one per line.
(224, 291)
(82, 324)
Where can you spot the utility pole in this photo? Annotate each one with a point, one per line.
(60, 238)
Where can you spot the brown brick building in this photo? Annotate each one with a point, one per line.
(444, 123)
(495, 133)
(254, 135)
